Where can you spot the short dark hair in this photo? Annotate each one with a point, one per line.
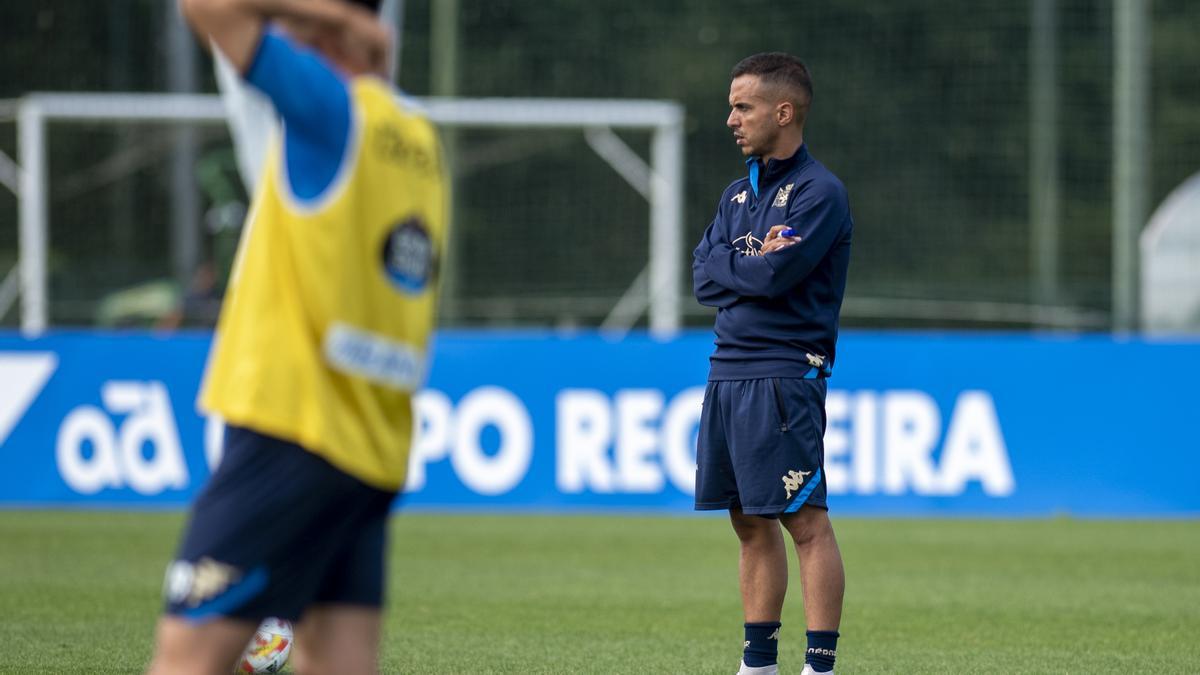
(372, 5)
(778, 68)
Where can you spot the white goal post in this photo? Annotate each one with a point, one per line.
(657, 290)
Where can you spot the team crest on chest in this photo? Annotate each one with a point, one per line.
(781, 197)
(408, 256)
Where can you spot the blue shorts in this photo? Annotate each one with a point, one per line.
(761, 446)
(277, 529)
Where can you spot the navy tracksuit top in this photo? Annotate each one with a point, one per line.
(777, 314)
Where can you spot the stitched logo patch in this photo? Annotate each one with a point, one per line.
(408, 256)
(781, 197)
(793, 480)
(748, 244)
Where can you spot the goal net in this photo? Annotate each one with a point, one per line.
(129, 207)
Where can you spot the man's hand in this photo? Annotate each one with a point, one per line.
(357, 40)
(775, 242)
(349, 34)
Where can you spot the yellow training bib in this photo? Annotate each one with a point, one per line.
(324, 333)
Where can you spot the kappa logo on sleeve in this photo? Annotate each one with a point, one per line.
(739, 197)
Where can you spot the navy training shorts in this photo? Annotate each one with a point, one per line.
(277, 529)
(762, 446)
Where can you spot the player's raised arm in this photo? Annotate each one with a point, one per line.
(302, 54)
(357, 41)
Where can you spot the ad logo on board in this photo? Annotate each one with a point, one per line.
(895, 442)
(94, 453)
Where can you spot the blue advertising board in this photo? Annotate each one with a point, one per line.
(919, 424)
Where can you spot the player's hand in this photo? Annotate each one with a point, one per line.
(359, 41)
(775, 241)
(365, 41)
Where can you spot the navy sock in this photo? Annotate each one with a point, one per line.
(822, 649)
(762, 644)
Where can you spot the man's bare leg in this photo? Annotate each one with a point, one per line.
(762, 568)
(822, 575)
(337, 639)
(763, 577)
(823, 579)
(210, 648)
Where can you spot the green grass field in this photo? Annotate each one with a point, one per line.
(79, 593)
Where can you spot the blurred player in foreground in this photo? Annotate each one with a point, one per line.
(773, 262)
(321, 342)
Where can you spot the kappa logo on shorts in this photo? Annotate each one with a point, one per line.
(793, 480)
(815, 361)
(199, 582)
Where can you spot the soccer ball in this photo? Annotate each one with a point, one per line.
(269, 649)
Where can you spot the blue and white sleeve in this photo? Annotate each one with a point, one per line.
(314, 103)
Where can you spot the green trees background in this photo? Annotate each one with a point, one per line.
(921, 107)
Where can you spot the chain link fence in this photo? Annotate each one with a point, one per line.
(976, 141)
